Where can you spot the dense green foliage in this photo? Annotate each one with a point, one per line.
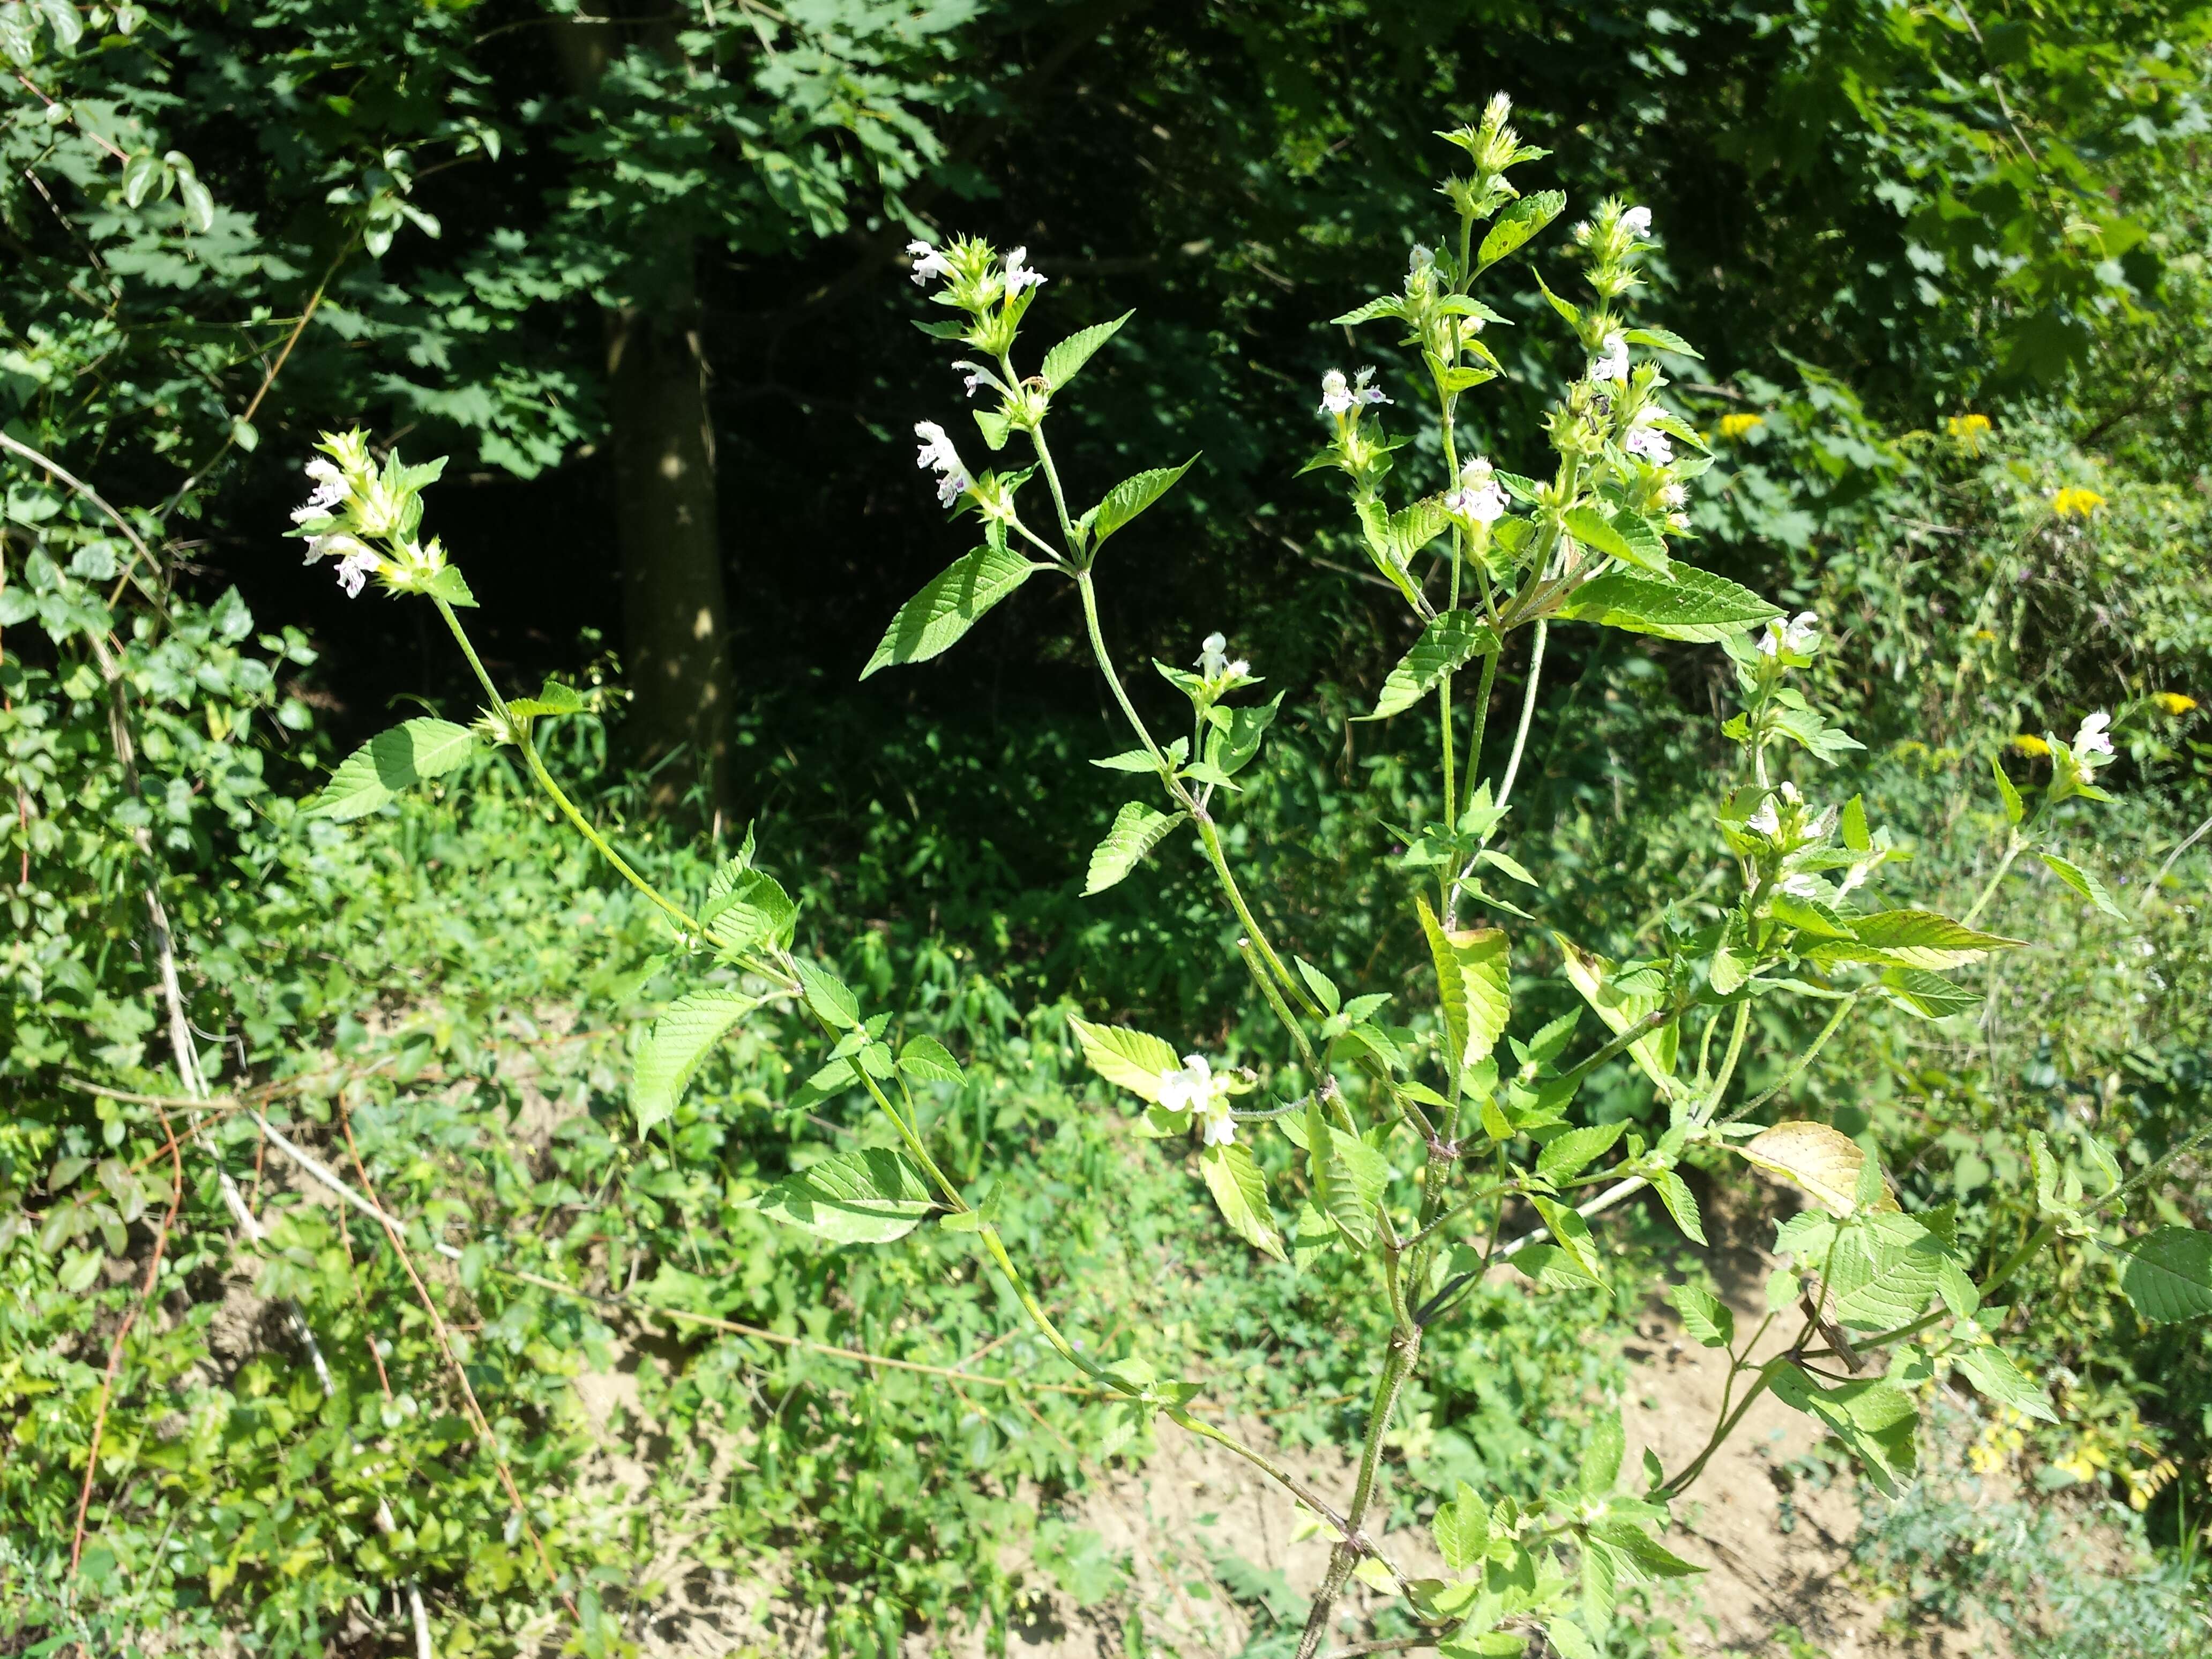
(2014, 195)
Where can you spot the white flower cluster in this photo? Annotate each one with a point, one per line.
(1340, 396)
(930, 264)
(1767, 820)
(322, 513)
(1612, 362)
(2093, 744)
(1195, 1090)
(1479, 498)
(1215, 663)
(1800, 636)
(1637, 222)
(937, 454)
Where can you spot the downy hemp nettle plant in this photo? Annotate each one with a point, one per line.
(1413, 1144)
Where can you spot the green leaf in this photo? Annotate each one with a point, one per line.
(2015, 808)
(1570, 1638)
(60, 17)
(924, 1060)
(198, 204)
(1991, 1370)
(449, 584)
(1883, 1270)
(140, 174)
(1930, 995)
(1674, 1193)
(1572, 1234)
(1061, 362)
(1695, 605)
(1553, 1268)
(679, 1040)
(932, 621)
(1595, 531)
(1132, 497)
(1473, 986)
(746, 906)
(1591, 974)
(553, 698)
(1876, 1420)
(1462, 1526)
(1566, 308)
(1564, 1157)
(2082, 882)
(1810, 916)
(1137, 830)
(1446, 644)
(830, 997)
(1602, 1455)
(1912, 939)
(1388, 304)
(2168, 1275)
(1352, 1176)
(1234, 742)
(1662, 339)
(1705, 1317)
(1135, 1061)
(1241, 1191)
(1517, 224)
(1855, 825)
(869, 1197)
(374, 773)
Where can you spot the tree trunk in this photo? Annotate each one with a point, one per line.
(676, 629)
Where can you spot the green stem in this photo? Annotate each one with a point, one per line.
(1397, 1366)
(2015, 844)
(1727, 1061)
(1527, 709)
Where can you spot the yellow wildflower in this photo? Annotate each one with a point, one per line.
(1986, 636)
(1736, 426)
(2000, 1441)
(2076, 503)
(2176, 703)
(1968, 430)
(2030, 745)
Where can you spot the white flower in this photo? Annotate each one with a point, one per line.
(1764, 822)
(1800, 636)
(357, 561)
(1802, 885)
(1499, 106)
(1238, 669)
(1018, 277)
(1220, 1128)
(1478, 497)
(1678, 522)
(1582, 231)
(1672, 495)
(1212, 657)
(1612, 363)
(1419, 264)
(1340, 396)
(1636, 221)
(2095, 738)
(936, 452)
(1189, 1090)
(1649, 443)
(928, 262)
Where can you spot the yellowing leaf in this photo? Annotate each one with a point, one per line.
(1824, 1161)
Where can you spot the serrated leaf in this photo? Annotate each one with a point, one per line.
(1564, 1157)
(1127, 498)
(924, 1060)
(1695, 605)
(932, 621)
(375, 773)
(1876, 1420)
(1567, 309)
(672, 1051)
(449, 584)
(2168, 1273)
(1135, 1061)
(1388, 304)
(1594, 531)
(1930, 995)
(1353, 1177)
(1517, 224)
(1912, 939)
(1473, 989)
(1448, 643)
(867, 1197)
(1061, 362)
(1991, 1370)
(1705, 1318)
(1662, 339)
(831, 1000)
(553, 698)
(2014, 808)
(1591, 975)
(1810, 916)
(746, 906)
(1553, 1268)
(1602, 1454)
(1883, 1271)
(1240, 1192)
(1822, 1159)
(1137, 830)
(1462, 1526)
(1681, 1204)
(2084, 883)
(1571, 1233)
